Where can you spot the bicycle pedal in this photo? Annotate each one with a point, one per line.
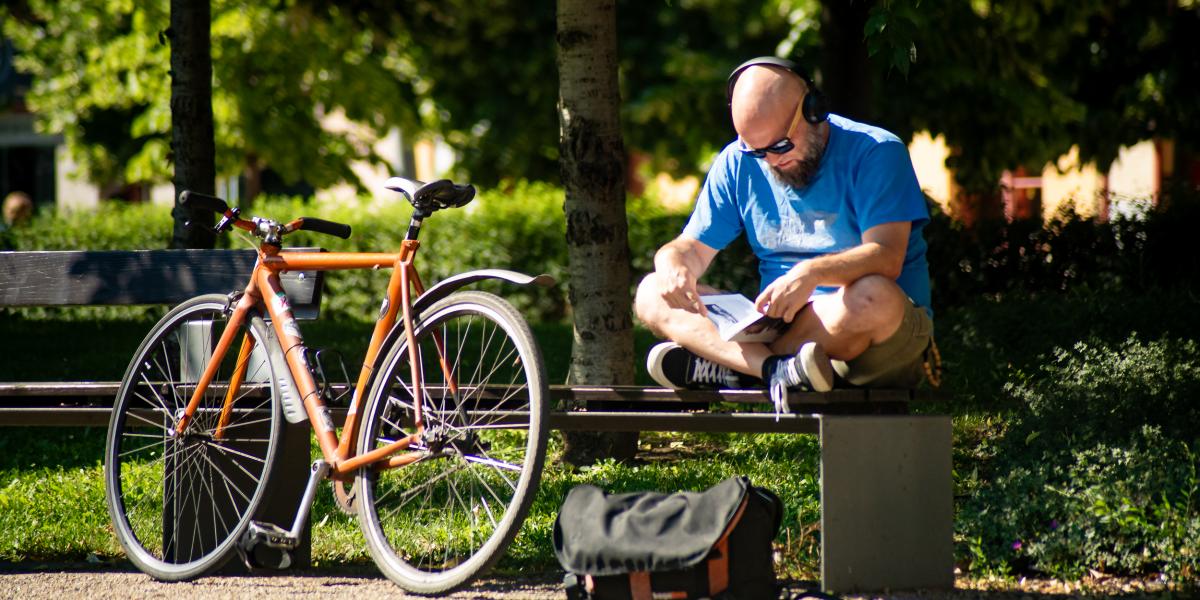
(262, 556)
(269, 535)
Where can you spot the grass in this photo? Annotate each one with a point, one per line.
(52, 495)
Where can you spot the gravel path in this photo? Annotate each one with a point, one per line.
(61, 582)
(68, 582)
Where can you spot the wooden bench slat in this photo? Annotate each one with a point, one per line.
(608, 408)
(124, 277)
(685, 422)
(76, 416)
(749, 396)
(89, 389)
(34, 389)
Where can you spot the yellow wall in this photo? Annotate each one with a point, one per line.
(1067, 181)
(929, 160)
(1132, 176)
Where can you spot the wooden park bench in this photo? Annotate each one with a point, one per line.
(885, 474)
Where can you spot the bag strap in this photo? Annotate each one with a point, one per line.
(639, 585)
(718, 566)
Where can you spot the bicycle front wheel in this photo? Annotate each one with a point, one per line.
(434, 524)
(179, 503)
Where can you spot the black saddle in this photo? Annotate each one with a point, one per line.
(433, 196)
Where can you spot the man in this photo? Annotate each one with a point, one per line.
(833, 211)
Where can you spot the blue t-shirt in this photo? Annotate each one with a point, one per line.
(865, 179)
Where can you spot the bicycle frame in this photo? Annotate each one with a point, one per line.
(265, 289)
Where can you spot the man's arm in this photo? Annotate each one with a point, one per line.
(680, 263)
(881, 253)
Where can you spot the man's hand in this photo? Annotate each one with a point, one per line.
(680, 291)
(786, 296)
(679, 265)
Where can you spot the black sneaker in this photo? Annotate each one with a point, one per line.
(809, 370)
(672, 366)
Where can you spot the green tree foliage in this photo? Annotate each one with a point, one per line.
(101, 79)
(1017, 83)
(1008, 83)
(487, 71)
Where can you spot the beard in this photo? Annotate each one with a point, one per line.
(801, 172)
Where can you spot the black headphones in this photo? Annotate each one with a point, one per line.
(816, 107)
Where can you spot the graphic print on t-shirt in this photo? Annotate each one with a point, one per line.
(802, 233)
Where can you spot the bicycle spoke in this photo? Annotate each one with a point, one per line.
(226, 479)
(139, 449)
(413, 491)
(499, 464)
(225, 449)
(487, 487)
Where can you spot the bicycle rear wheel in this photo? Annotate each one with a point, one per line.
(180, 503)
(434, 524)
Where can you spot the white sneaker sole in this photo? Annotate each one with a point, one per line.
(817, 367)
(654, 364)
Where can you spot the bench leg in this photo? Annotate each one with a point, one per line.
(887, 515)
(283, 497)
(287, 489)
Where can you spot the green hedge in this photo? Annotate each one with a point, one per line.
(1097, 469)
(1069, 252)
(521, 228)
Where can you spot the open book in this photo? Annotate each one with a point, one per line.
(738, 321)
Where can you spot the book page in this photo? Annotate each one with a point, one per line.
(733, 314)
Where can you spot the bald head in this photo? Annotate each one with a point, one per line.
(764, 95)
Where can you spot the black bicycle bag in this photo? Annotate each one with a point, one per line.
(650, 546)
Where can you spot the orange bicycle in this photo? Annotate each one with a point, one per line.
(444, 438)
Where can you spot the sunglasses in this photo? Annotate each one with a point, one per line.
(783, 146)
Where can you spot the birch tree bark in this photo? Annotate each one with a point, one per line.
(591, 160)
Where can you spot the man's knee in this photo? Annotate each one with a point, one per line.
(648, 303)
(874, 298)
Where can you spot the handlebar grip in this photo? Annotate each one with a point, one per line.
(326, 227)
(190, 199)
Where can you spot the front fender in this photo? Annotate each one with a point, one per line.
(448, 285)
(444, 288)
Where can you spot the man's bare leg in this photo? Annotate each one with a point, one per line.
(846, 323)
(695, 332)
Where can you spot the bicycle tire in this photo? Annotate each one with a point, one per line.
(180, 504)
(433, 525)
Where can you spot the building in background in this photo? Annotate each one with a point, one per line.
(1131, 184)
(27, 158)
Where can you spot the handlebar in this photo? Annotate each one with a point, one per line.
(190, 199)
(267, 229)
(322, 226)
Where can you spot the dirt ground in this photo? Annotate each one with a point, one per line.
(63, 581)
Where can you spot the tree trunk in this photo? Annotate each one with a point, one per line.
(592, 161)
(845, 68)
(192, 119)
(252, 174)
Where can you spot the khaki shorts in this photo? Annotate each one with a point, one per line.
(897, 362)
